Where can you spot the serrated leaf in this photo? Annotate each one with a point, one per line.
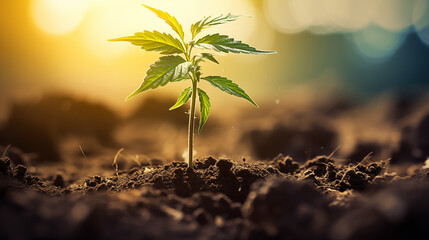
(210, 21)
(223, 43)
(154, 41)
(208, 56)
(170, 20)
(183, 98)
(229, 87)
(166, 69)
(204, 108)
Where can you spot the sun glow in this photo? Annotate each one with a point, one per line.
(58, 17)
(95, 21)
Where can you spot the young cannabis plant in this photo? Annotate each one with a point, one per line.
(172, 67)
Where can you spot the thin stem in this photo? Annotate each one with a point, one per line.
(191, 124)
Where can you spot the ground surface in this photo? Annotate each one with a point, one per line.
(219, 199)
(296, 183)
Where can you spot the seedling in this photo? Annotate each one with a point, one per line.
(172, 67)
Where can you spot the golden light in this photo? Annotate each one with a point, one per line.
(351, 15)
(190, 11)
(58, 17)
(111, 18)
(279, 15)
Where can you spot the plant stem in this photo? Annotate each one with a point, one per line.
(191, 123)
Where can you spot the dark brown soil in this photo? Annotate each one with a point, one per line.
(219, 199)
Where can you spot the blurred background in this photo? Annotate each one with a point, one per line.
(371, 55)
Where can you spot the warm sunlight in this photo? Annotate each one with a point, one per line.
(58, 17)
(110, 18)
(96, 21)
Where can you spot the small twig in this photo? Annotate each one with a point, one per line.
(115, 163)
(367, 157)
(6, 149)
(83, 153)
(333, 152)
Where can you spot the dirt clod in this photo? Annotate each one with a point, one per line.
(20, 171)
(224, 165)
(59, 181)
(5, 166)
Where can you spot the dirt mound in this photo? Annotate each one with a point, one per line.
(302, 141)
(414, 142)
(39, 126)
(156, 109)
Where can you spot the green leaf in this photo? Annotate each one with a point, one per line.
(166, 69)
(155, 41)
(204, 108)
(223, 43)
(209, 21)
(183, 98)
(229, 87)
(203, 56)
(170, 20)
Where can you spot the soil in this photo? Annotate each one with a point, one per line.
(218, 199)
(303, 196)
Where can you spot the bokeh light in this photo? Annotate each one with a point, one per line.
(330, 16)
(280, 16)
(377, 43)
(424, 34)
(394, 15)
(421, 20)
(109, 19)
(58, 17)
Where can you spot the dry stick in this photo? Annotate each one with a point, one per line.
(333, 152)
(83, 153)
(367, 157)
(6, 149)
(115, 163)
